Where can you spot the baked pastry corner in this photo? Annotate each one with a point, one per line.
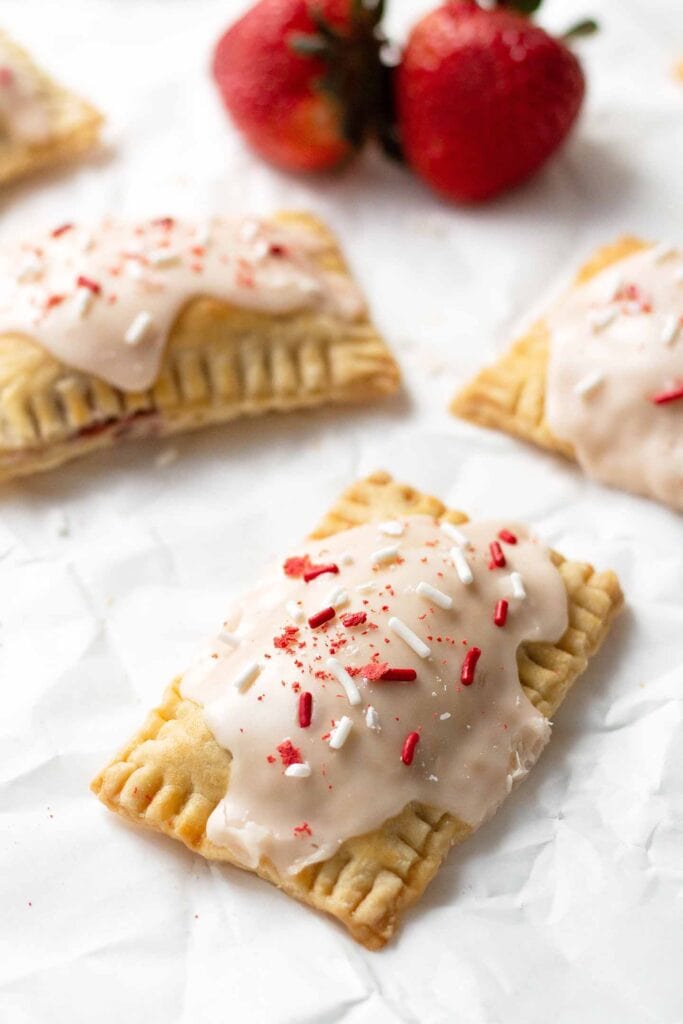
(509, 394)
(74, 123)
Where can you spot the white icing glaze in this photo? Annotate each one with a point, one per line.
(475, 741)
(135, 279)
(616, 343)
(24, 115)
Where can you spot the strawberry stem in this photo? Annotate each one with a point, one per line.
(353, 70)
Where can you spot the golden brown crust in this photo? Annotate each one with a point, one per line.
(173, 773)
(509, 395)
(220, 363)
(74, 124)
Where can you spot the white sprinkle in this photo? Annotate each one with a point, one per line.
(260, 249)
(384, 555)
(247, 676)
(342, 676)
(432, 594)
(340, 733)
(613, 283)
(31, 269)
(462, 566)
(228, 638)
(589, 383)
(632, 308)
(337, 598)
(433, 778)
(392, 528)
(295, 613)
(249, 229)
(662, 252)
(372, 719)
(346, 559)
(82, 301)
(165, 458)
(678, 276)
(162, 257)
(455, 534)
(203, 234)
(446, 715)
(298, 771)
(517, 584)
(601, 318)
(672, 326)
(138, 328)
(365, 588)
(135, 270)
(399, 627)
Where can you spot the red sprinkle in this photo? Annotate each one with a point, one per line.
(319, 570)
(164, 222)
(497, 556)
(296, 566)
(289, 754)
(86, 282)
(6, 77)
(354, 619)
(287, 639)
(374, 670)
(61, 230)
(632, 293)
(399, 675)
(469, 665)
(305, 709)
(409, 744)
(304, 829)
(508, 537)
(668, 396)
(501, 613)
(320, 617)
(53, 300)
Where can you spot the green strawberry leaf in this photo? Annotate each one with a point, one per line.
(322, 25)
(586, 27)
(308, 46)
(523, 6)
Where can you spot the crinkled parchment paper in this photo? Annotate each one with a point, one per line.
(567, 907)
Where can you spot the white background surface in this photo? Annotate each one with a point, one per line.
(567, 907)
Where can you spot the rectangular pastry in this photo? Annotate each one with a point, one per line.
(600, 377)
(41, 123)
(153, 328)
(368, 705)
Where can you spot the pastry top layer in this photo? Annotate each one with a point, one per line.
(615, 373)
(104, 301)
(405, 636)
(24, 106)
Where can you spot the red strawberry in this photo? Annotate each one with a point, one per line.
(483, 98)
(300, 78)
